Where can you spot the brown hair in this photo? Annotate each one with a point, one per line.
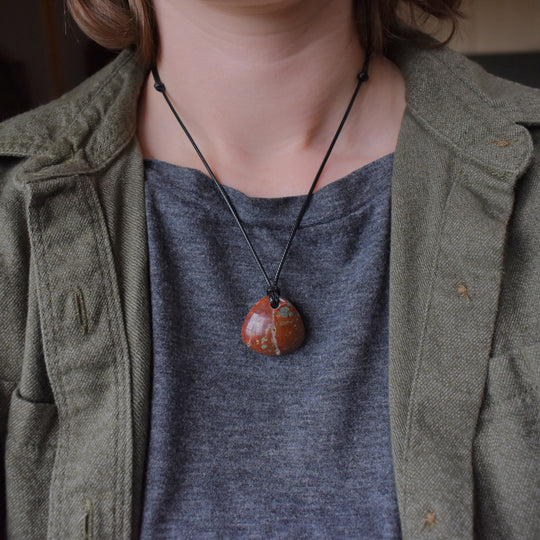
(120, 24)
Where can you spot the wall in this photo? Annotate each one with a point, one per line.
(500, 26)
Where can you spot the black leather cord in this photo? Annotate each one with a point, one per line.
(272, 286)
(362, 77)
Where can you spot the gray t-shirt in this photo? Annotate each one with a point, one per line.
(247, 445)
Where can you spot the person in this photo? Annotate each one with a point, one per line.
(131, 406)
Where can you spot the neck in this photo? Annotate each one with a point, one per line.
(253, 81)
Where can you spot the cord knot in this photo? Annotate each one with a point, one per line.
(159, 86)
(273, 293)
(363, 76)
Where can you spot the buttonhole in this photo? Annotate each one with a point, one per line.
(82, 317)
(86, 520)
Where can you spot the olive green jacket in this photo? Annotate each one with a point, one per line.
(75, 341)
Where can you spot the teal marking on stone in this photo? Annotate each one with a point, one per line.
(285, 312)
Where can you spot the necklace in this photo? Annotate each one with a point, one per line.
(273, 326)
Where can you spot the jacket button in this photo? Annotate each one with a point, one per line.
(501, 143)
(430, 520)
(463, 291)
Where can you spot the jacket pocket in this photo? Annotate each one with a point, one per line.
(30, 451)
(507, 449)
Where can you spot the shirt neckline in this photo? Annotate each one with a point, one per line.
(334, 201)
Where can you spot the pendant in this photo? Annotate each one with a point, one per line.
(273, 331)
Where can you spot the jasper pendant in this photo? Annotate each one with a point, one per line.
(273, 331)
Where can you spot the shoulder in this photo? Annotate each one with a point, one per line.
(88, 124)
(445, 74)
(482, 118)
(519, 102)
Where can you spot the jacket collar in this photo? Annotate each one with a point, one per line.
(84, 130)
(468, 110)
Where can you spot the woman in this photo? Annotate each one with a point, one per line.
(135, 408)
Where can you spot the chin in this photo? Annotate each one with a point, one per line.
(256, 6)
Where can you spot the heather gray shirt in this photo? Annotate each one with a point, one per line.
(246, 445)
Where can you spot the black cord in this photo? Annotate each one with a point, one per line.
(272, 287)
(362, 76)
(160, 87)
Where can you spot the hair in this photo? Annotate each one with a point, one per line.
(122, 24)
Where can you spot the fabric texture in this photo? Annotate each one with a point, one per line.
(245, 445)
(464, 352)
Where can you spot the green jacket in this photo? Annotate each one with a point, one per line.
(75, 342)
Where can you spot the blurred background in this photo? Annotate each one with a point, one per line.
(43, 54)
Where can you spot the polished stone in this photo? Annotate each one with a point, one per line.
(273, 331)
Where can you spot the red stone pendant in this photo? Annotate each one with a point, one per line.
(273, 331)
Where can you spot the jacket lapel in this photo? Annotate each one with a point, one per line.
(456, 163)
